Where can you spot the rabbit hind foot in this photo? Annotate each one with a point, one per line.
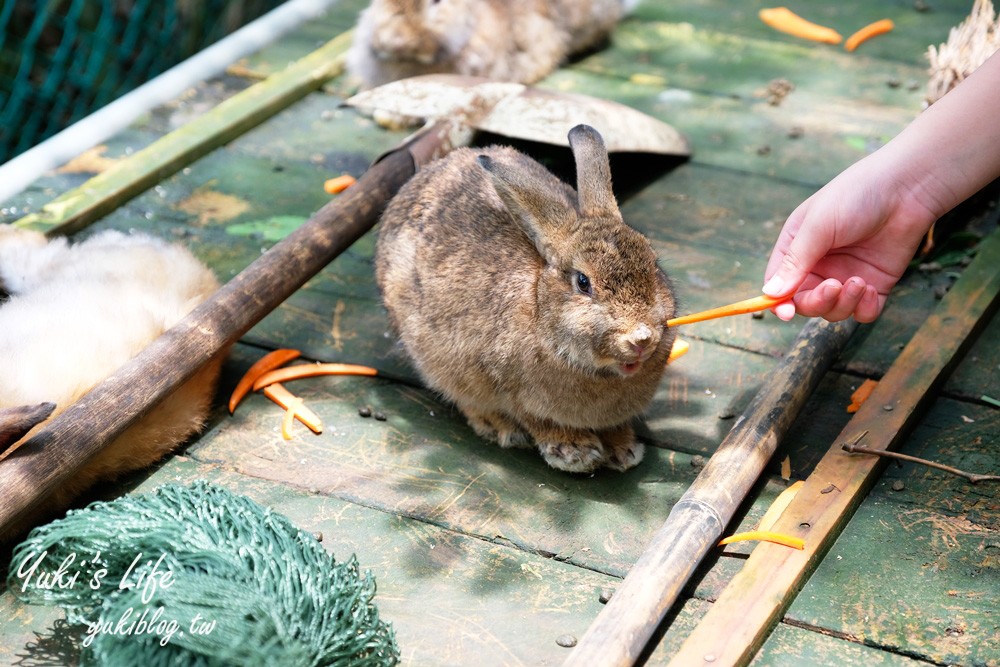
(498, 428)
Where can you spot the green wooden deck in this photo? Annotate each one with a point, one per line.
(486, 556)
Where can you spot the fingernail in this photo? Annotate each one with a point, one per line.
(773, 286)
(855, 287)
(785, 311)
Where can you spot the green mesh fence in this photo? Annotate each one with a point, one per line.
(62, 59)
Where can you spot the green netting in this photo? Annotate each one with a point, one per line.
(62, 59)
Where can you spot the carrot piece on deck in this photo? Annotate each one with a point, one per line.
(287, 400)
(289, 417)
(766, 536)
(311, 370)
(785, 20)
(861, 395)
(869, 31)
(337, 185)
(756, 304)
(679, 349)
(270, 361)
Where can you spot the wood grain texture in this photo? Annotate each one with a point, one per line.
(759, 594)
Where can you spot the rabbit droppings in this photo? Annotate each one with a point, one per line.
(507, 40)
(535, 309)
(76, 313)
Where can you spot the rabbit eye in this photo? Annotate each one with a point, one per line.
(582, 283)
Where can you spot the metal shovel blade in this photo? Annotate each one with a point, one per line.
(522, 112)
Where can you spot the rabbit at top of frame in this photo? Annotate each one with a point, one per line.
(77, 312)
(531, 306)
(508, 40)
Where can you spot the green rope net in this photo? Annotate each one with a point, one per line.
(196, 575)
(62, 59)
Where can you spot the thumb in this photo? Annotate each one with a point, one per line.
(789, 267)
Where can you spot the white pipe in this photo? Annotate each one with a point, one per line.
(21, 171)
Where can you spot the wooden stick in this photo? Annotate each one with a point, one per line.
(740, 620)
(17, 421)
(973, 477)
(697, 521)
(128, 178)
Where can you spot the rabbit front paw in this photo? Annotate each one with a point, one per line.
(580, 452)
(624, 451)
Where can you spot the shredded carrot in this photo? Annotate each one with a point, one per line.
(766, 536)
(679, 349)
(753, 305)
(869, 31)
(337, 185)
(779, 505)
(286, 421)
(785, 20)
(286, 399)
(268, 362)
(311, 370)
(861, 395)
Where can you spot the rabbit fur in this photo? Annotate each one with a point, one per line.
(76, 313)
(508, 40)
(479, 261)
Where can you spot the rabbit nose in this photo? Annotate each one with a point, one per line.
(640, 338)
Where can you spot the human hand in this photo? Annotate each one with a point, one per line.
(842, 251)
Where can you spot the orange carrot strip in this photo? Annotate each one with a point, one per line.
(779, 505)
(679, 349)
(286, 421)
(785, 20)
(766, 536)
(337, 185)
(861, 395)
(753, 305)
(268, 362)
(311, 370)
(287, 399)
(869, 31)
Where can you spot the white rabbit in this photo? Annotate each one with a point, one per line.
(76, 313)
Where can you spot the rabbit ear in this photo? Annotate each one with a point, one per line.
(535, 207)
(593, 172)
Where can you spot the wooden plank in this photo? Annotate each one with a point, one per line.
(425, 462)
(789, 646)
(936, 539)
(451, 599)
(749, 134)
(111, 188)
(340, 17)
(754, 600)
(915, 29)
(689, 57)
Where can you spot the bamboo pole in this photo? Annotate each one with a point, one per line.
(695, 524)
(740, 620)
(77, 208)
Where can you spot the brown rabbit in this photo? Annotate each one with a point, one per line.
(508, 40)
(536, 310)
(76, 313)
